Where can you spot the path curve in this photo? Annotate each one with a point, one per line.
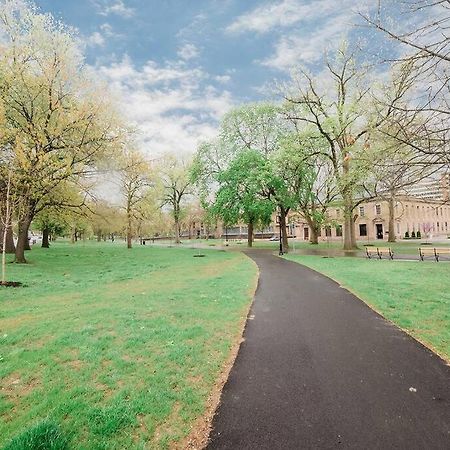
(318, 369)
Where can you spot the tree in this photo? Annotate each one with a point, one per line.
(175, 179)
(134, 183)
(60, 126)
(244, 192)
(307, 176)
(339, 116)
(395, 168)
(425, 48)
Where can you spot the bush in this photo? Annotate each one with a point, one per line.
(407, 235)
(44, 435)
(413, 235)
(418, 235)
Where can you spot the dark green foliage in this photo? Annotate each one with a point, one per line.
(44, 435)
(244, 189)
(413, 235)
(407, 235)
(418, 235)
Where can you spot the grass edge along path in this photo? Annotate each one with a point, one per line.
(125, 363)
(412, 295)
(201, 429)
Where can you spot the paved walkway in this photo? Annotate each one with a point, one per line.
(319, 370)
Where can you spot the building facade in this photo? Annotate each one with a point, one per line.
(411, 214)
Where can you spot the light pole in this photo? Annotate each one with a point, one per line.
(280, 252)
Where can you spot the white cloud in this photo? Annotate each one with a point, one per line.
(95, 39)
(172, 106)
(224, 79)
(282, 14)
(300, 48)
(117, 7)
(188, 51)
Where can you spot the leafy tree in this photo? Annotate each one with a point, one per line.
(243, 193)
(60, 126)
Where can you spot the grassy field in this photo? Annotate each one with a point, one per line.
(414, 295)
(107, 348)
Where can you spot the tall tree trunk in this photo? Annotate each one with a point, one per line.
(27, 244)
(10, 246)
(99, 236)
(22, 239)
(391, 226)
(250, 234)
(9, 242)
(283, 230)
(313, 230)
(45, 234)
(349, 223)
(129, 236)
(177, 231)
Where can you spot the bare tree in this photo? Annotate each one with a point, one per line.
(174, 176)
(425, 48)
(134, 183)
(339, 114)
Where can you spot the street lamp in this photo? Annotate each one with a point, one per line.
(280, 252)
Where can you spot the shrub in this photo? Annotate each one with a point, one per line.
(407, 235)
(413, 235)
(44, 435)
(418, 235)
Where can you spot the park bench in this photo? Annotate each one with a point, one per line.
(433, 252)
(227, 242)
(379, 252)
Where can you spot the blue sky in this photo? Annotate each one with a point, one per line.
(176, 66)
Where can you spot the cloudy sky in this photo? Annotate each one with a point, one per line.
(178, 65)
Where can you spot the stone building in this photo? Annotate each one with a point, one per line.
(411, 214)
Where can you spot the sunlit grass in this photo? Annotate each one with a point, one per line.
(117, 348)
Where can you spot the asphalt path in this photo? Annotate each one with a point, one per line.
(318, 369)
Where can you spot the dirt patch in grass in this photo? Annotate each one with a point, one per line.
(12, 284)
(15, 388)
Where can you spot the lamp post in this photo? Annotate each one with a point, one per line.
(280, 252)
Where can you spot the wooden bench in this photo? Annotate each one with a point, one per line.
(227, 242)
(379, 252)
(434, 252)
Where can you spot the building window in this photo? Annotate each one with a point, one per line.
(361, 211)
(438, 226)
(339, 231)
(362, 229)
(328, 231)
(378, 209)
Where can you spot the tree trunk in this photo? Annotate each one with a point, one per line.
(22, 239)
(27, 244)
(177, 231)
(99, 236)
(45, 242)
(349, 223)
(9, 244)
(313, 230)
(129, 236)
(250, 234)
(283, 230)
(391, 226)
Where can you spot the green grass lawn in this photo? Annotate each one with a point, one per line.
(107, 348)
(415, 295)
